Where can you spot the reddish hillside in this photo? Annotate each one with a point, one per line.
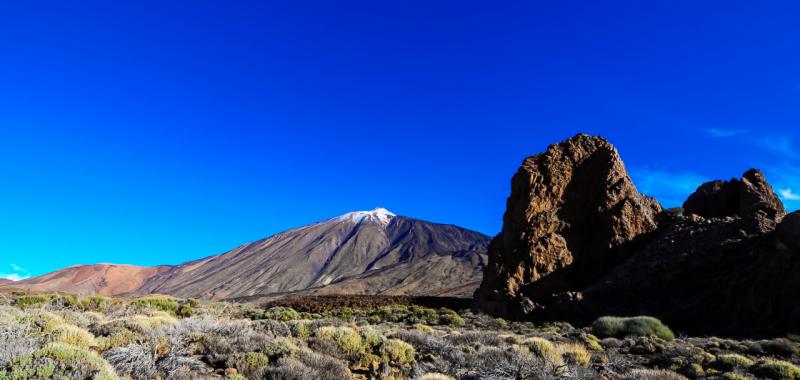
(102, 279)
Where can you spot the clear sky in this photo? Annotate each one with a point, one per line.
(157, 132)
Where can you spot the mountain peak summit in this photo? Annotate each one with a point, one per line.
(378, 214)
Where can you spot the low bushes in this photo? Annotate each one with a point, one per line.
(620, 327)
(777, 369)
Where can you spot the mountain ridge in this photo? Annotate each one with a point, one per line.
(361, 252)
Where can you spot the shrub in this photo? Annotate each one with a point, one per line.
(542, 348)
(450, 318)
(574, 353)
(397, 351)
(348, 340)
(135, 360)
(74, 336)
(434, 376)
(372, 338)
(777, 369)
(728, 362)
(277, 313)
(619, 327)
(781, 347)
(42, 321)
(300, 329)
(32, 300)
(75, 362)
(652, 374)
(249, 364)
(162, 303)
(423, 328)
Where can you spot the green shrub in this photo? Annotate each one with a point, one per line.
(777, 369)
(372, 338)
(32, 300)
(542, 348)
(301, 329)
(74, 336)
(397, 351)
(278, 313)
(728, 362)
(450, 318)
(619, 327)
(162, 303)
(348, 340)
(248, 363)
(574, 353)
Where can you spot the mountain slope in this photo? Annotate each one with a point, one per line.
(102, 279)
(363, 252)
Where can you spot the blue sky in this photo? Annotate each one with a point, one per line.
(159, 132)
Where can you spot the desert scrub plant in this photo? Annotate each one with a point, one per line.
(574, 353)
(249, 364)
(278, 313)
(652, 374)
(42, 321)
(423, 328)
(542, 348)
(397, 351)
(95, 303)
(619, 327)
(729, 362)
(450, 318)
(780, 347)
(137, 361)
(163, 303)
(776, 369)
(434, 376)
(74, 362)
(372, 337)
(32, 300)
(73, 335)
(591, 342)
(348, 340)
(300, 329)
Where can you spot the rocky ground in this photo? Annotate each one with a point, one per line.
(49, 336)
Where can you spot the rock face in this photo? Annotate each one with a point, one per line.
(573, 212)
(737, 197)
(729, 267)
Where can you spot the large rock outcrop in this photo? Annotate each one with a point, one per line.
(572, 214)
(737, 197)
(579, 242)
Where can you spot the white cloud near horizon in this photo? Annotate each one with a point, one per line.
(18, 273)
(670, 188)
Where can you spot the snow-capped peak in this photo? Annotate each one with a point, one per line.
(379, 215)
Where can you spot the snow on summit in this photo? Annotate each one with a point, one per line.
(379, 215)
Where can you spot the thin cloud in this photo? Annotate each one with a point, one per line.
(14, 277)
(724, 133)
(670, 188)
(17, 273)
(788, 194)
(780, 144)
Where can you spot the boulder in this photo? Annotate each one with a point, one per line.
(737, 197)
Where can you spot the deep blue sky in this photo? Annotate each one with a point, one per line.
(158, 132)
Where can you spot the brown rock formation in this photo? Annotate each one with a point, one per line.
(579, 242)
(742, 197)
(573, 212)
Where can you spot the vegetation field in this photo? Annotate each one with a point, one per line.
(71, 337)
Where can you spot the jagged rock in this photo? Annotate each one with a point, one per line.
(573, 212)
(579, 242)
(737, 197)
